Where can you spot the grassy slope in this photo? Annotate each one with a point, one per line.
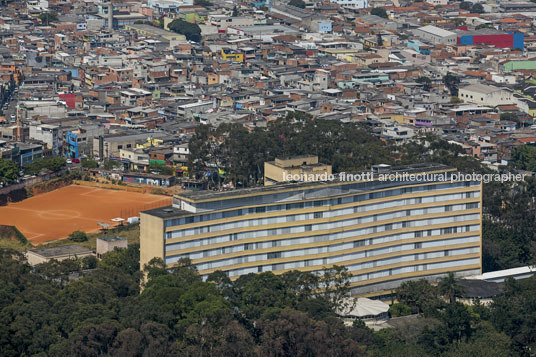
(131, 233)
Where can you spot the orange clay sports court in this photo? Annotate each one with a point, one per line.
(57, 214)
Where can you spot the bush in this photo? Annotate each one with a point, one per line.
(399, 309)
(89, 163)
(53, 164)
(111, 164)
(78, 236)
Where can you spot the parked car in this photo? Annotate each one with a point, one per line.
(76, 161)
(69, 161)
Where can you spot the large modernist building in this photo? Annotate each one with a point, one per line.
(383, 231)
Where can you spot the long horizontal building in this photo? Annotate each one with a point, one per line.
(383, 231)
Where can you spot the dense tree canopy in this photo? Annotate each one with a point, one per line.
(297, 3)
(53, 164)
(9, 172)
(190, 30)
(64, 309)
(379, 11)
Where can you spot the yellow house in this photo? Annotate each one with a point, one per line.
(399, 118)
(150, 143)
(228, 54)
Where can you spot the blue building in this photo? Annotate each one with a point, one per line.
(71, 145)
(419, 46)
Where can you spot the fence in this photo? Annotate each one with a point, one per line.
(30, 182)
(112, 186)
(9, 193)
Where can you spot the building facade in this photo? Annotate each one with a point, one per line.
(384, 232)
(435, 35)
(482, 94)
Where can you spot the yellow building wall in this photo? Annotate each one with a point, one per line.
(151, 239)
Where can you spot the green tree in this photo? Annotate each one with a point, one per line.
(9, 172)
(89, 163)
(427, 83)
(190, 30)
(160, 168)
(466, 5)
(297, 3)
(524, 157)
(419, 295)
(111, 164)
(379, 11)
(78, 236)
(451, 82)
(477, 8)
(48, 17)
(399, 309)
(204, 3)
(449, 288)
(53, 164)
(126, 260)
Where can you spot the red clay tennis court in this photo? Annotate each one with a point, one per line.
(57, 214)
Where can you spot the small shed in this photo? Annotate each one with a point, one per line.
(107, 244)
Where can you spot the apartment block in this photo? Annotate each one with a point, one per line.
(384, 231)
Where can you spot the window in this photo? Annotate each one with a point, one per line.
(308, 227)
(359, 243)
(259, 269)
(472, 205)
(248, 246)
(189, 219)
(418, 234)
(389, 227)
(418, 245)
(260, 209)
(119, 146)
(448, 208)
(274, 255)
(408, 212)
(318, 215)
(446, 253)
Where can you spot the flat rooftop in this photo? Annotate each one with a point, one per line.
(52, 252)
(195, 196)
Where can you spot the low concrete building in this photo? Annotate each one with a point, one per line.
(107, 244)
(482, 94)
(435, 35)
(43, 255)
